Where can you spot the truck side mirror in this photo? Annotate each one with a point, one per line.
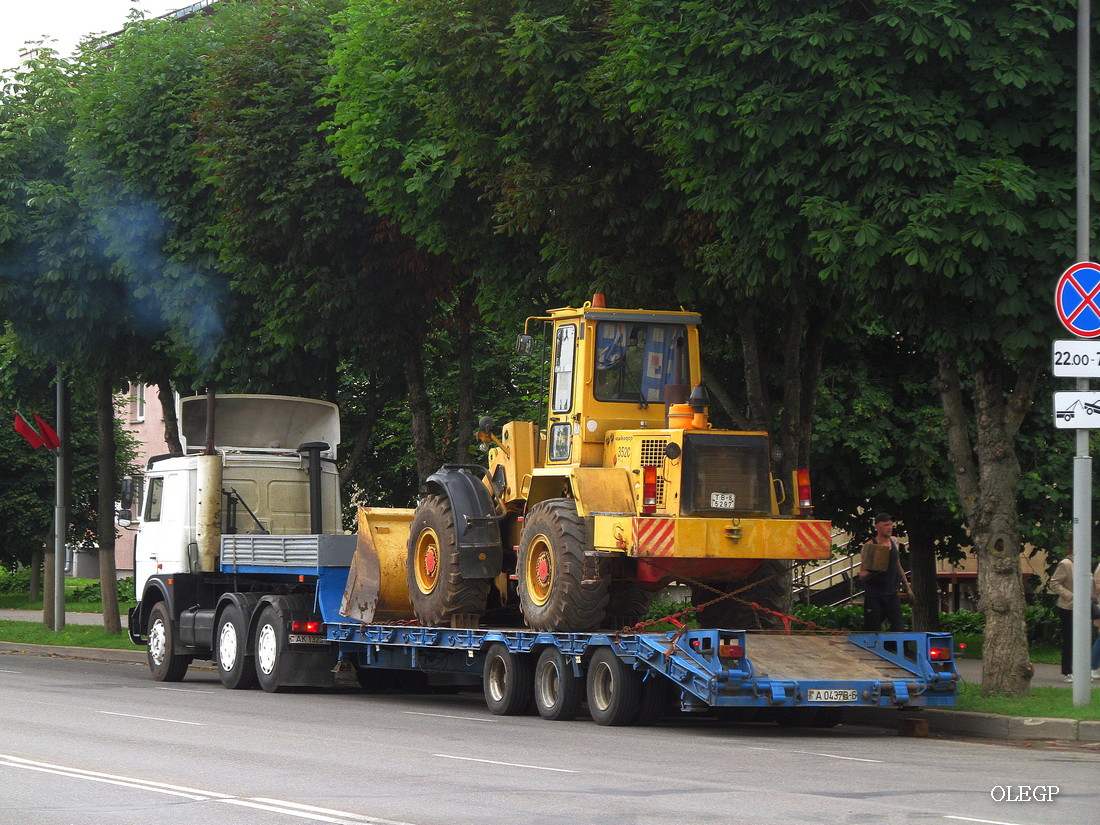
(525, 344)
(126, 493)
(125, 517)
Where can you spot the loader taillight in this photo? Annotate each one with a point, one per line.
(649, 489)
(305, 627)
(805, 501)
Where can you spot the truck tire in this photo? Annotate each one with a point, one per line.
(553, 595)
(558, 691)
(614, 689)
(654, 701)
(507, 681)
(771, 589)
(437, 589)
(236, 668)
(270, 647)
(164, 663)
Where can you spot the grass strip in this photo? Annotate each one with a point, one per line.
(1048, 702)
(34, 633)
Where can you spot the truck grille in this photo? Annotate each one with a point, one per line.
(726, 464)
(653, 455)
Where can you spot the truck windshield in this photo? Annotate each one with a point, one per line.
(640, 362)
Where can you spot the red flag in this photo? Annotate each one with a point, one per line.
(50, 439)
(28, 432)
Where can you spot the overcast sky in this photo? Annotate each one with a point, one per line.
(66, 21)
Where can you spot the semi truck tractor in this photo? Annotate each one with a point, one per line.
(240, 561)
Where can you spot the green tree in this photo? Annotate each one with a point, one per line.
(924, 147)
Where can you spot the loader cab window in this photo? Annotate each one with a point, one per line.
(565, 347)
(154, 500)
(638, 363)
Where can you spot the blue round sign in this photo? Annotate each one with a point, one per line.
(1077, 299)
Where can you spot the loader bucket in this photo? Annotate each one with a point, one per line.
(377, 590)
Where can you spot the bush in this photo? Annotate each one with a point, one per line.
(92, 593)
(663, 606)
(18, 581)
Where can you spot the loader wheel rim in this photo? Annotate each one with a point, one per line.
(539, 571)
(426, 562)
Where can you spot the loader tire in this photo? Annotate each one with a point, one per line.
(771, 589)
(437, 589)
(553, 595)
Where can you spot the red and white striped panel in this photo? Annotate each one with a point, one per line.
(815, 539)
(655, 536)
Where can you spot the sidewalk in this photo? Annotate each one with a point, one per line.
(939, 720)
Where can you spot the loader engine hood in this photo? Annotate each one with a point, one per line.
(260, 423)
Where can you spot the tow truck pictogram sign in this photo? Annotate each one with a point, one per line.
(1077, 410)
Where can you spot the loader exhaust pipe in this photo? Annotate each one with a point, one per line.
(313, 450)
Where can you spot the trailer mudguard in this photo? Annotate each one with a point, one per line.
(477, 519)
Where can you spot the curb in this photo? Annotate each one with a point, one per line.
(973, 723)
(97, 654)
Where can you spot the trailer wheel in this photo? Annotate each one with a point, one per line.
(270, 651)
(507, 681)
(614, 689)
(654, 700)
(236, 668)
(771, 589)
(437, 589)
(550, 571)
(558, 692)
(164, 663)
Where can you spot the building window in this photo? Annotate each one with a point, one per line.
(137, 403)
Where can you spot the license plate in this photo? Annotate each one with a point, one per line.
(819, 695)
(722, 501)
(304, 639)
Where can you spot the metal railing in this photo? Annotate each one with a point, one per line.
(820, 578)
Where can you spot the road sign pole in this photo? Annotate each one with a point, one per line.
(1082, 464)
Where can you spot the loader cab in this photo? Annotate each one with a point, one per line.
(614, 369)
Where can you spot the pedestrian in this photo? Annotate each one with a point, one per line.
(1096, 622)
(882, 575)
(1061, 585)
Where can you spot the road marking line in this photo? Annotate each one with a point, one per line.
(445, 716)
(11, 671)
(152, 718)
(835, 756)
(275, 805)
(314, 812)
(985, 821)
(505, 764)
(815, 753)
(185, 690)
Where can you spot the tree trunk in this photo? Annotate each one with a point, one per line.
(35, 590)
(987, 474)
(167, 397)
(108, 458)
(423, 439)
(464, 436)
(922, 575)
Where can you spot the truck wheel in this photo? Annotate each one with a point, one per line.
(270, 651)
(614, 689)
(437, 589)
(558, 692)
(771, 589)
(236, 668)
(507, 681)
(164, 663)
(550, 571)
(654, 700)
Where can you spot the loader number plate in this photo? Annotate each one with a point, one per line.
(722, 501)
(302, 639)
(817, 695)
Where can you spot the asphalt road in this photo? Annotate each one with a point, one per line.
(94, 743)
